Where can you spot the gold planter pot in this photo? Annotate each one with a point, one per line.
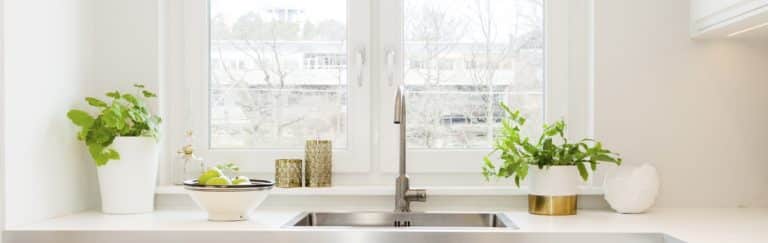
(552, 205)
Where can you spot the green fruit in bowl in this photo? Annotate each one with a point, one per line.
(211, 172)
(218, 181)
(241, 180)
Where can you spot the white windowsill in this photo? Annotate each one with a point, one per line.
(390, 190)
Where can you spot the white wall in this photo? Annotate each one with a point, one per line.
(125, 44)
(2, 120)
(697, 110)
(47, 51)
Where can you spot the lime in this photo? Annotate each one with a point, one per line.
(218, 181)
(241, 180)
(212, 172)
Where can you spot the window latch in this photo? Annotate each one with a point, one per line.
(390, 63)
(360, 61)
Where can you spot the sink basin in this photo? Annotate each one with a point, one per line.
(391, 219)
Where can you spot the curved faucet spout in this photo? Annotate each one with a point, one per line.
(400, 104)
(404, 195)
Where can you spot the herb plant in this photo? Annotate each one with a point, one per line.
(552, 148)
(125, 115)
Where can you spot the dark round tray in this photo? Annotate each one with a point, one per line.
(255, 185)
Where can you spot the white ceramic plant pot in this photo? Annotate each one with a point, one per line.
(128, 185)
(553, 190)
(632, 188)
(554, 181)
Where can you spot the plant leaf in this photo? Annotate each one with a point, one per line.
(522, 171)
(101, 155)
(148, 94)
(505, 108)
(114, 94)
(583, 171)
(113, 117)
(132, 99)
(488, 163)
(96, 102)
(80, 118)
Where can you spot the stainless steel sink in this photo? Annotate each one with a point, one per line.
(391, 219)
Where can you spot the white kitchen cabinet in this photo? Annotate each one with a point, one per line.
(728, 18)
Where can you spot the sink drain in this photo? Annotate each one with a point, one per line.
(402, 223)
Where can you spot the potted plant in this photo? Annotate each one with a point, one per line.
(553, 162)
(122, 140)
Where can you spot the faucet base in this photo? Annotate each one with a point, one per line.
(404, 195)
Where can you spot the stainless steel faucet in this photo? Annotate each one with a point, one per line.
(403, 193)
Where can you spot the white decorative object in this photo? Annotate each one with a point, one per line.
(632, 188)
(128, 185)
(554, 181)
(231, 202)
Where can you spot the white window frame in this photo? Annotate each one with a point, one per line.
(372, 144)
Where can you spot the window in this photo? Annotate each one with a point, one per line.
(295, 84)
(266, 75)
(453, 108)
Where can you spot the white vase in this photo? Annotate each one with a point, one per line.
(554, 181)
(128, 185)
(632, 188)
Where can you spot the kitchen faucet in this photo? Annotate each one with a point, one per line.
(403, 193)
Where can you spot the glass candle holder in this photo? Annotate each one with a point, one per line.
(288, 173)
(319, 160)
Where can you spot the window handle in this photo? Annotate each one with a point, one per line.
(360, 61)
(390, 64)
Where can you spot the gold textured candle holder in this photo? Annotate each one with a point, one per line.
(317, 171)
(288, 173)
(552, 205)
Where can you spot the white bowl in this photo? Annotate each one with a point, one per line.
(229, 202)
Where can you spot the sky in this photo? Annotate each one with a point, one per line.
(313, 9)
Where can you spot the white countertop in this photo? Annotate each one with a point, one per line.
(690, 225)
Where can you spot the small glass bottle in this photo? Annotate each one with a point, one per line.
(188, 165)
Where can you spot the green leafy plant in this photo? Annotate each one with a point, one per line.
(552, 148)
(125, 115)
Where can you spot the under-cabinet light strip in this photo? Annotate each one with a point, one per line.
(748, 29)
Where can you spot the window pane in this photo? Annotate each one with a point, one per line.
(278, 73)
(463, 57)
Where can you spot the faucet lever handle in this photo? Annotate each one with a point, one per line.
(416, 195)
